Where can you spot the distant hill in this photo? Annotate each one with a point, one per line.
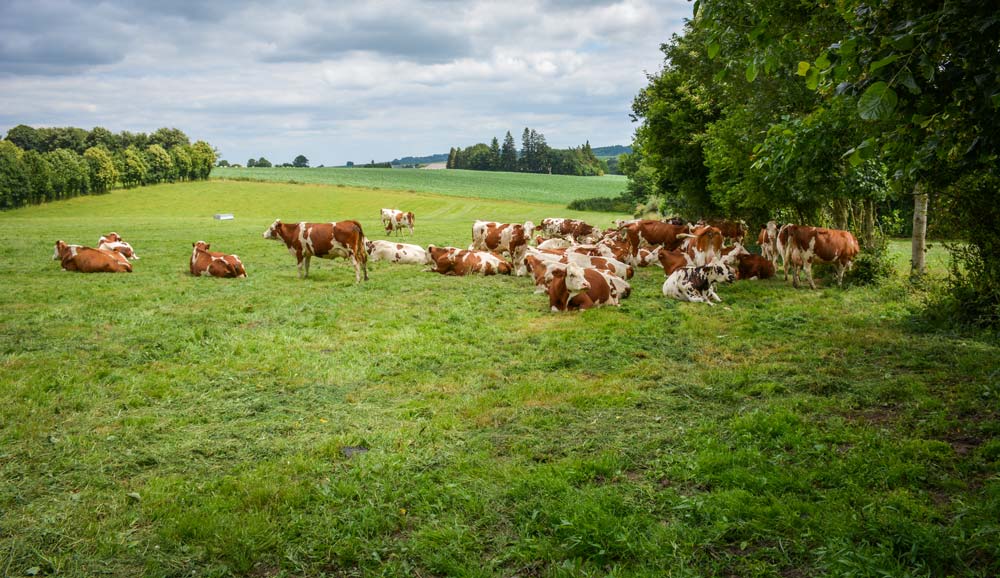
(440, 158)
(611, 152)
(599, 152)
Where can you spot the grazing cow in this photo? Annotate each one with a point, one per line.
(213, 263)
(90, 260)
(732, 230)
(816, 243)
(754, 267)
(704, 244)
(768, 241)
(697, 284)
(324, 240)
(570, 229)
(579, 288)
(503, 238)
(394, 220)
(673, 260)
(458, 262)
(396, 252)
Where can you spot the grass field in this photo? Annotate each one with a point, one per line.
(162, 425)
(532, 188)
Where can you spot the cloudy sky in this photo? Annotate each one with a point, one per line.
(335, 81)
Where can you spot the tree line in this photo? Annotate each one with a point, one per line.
(48, 164)
(535, 156)
(300, 162)
(859, 115)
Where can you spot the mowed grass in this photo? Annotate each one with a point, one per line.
(532, 188)
(162, 425)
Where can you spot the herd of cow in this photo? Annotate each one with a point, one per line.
(578, 265)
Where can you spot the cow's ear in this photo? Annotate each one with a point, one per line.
(193, 244)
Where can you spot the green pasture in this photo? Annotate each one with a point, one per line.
(532, 188)
(155, 424)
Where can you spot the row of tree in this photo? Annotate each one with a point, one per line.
(37, 175)
(855, 114)
(535, 157)
(300, 162)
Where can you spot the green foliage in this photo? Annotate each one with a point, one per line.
(70, 173)
(203, 159)
(261, 162)
(168, 138)
(300, 162)
(103, 174)
(508, 154)
(159, 165)
(134, 168)
(13, 176)
(181, 157)
(536, 157)
(621, 204)
(25, 138)
(873, 265)
(39, 174)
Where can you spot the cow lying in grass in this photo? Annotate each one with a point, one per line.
(113, 242)
(697, 284)
(574, 287)
(213, 263)
(90, 260)
(397, 252)
(455, 261)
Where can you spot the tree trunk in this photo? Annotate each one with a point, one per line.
(840, 214)
(868, 227)
(919, 245)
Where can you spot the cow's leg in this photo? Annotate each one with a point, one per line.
(305, 265)
(840, 273)
(713, 295)
(808, 266)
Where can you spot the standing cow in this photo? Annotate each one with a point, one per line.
(324, 240)
(394, 220)
(807, 244)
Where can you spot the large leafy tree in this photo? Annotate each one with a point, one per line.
(13, 176)
(301, 162)
(103, 173)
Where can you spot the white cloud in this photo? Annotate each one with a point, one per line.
(383, 80)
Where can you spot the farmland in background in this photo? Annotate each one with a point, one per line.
(158, 424)
(527, 187)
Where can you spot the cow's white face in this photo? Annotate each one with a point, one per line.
(59, 245)
(272, 231)
(576, 281)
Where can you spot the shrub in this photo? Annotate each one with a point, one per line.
(602, 204)
(873, 265)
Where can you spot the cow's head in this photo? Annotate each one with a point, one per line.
(272, 232)
(109, 238)
(60, 247)
(201, 246)
(576, 280)
(369, 246)
(529, 228)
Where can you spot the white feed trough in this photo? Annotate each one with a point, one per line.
(223, 216)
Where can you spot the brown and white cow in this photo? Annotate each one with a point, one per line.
(673, 260)
(573, 230)
(732, 230)
(90, 260)
(730, 255)
(817, 243)
(503, 238)
(343, 239)
(703, 244)
(394, 220)
(213, 263)
(754, 267)
(600, 262)
(652, 233)
(648, 255)
(579, 288)
(397, 252)
(543, 243)
(113, 242)
(768, 241)
(781, 244)
(459, 262)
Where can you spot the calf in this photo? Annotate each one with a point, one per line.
(90, 260)
(768, 241)
(324, 240)
(503, 238)
(697, 284)
(578, 288)
(454, 261)
(754, 267)
(396, 252)
(214, 264)
(816, 243)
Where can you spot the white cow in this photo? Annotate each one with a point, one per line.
(396, 252)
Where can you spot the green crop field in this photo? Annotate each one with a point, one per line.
(420, 425)
(532, 188)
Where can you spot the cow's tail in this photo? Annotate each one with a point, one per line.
(359, 248)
